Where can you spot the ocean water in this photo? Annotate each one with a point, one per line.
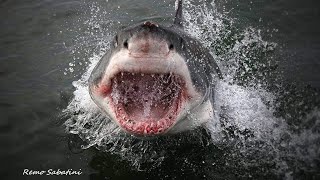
(267, 117)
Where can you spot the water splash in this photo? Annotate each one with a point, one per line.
(245, 120)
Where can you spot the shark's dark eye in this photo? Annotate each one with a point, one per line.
(125, 44)
(115, 41)
(171, 46)
(182, 44)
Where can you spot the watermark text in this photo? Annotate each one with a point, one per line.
(51, 172)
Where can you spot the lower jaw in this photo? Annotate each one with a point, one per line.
(148, 127)
(145, 130)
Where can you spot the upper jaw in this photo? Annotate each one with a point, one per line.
(171, 64)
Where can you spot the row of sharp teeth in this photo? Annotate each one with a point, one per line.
(148, 128)
(142, 74)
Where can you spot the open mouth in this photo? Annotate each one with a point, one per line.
(146, 104)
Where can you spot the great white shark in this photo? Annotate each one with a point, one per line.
(155, 79)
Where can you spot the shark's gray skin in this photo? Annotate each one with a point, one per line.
(155, 80)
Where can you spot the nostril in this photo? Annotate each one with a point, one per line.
(125, 44)
(171, 47)
(150, 24)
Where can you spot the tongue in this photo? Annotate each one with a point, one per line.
(145, 97)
